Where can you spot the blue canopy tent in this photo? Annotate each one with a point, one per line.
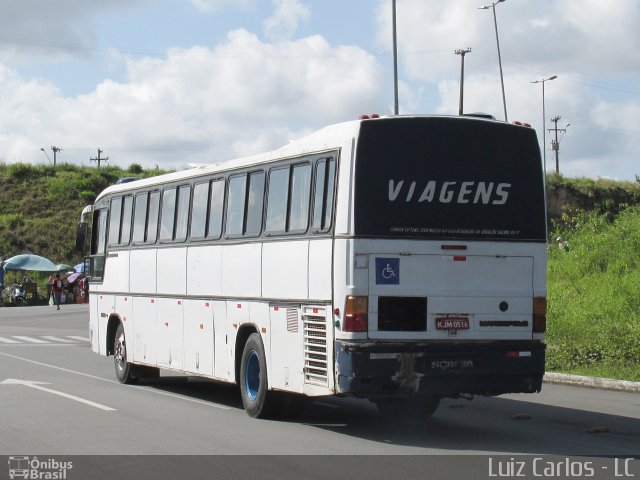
(28, 262)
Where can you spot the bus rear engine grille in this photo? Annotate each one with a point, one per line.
(315, 349)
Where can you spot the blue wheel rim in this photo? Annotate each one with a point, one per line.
(252, 375)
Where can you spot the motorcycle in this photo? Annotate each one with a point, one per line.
(18, 295)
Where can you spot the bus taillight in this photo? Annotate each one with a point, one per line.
(356, 318)
(539, 314)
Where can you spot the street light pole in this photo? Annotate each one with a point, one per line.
(462, 53)
(396, 108)
(45, 154)
(544, 118)
(495, 23)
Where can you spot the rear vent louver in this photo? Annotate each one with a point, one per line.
(315, 347)
(292, 319)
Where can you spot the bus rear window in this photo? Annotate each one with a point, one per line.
(449, 178)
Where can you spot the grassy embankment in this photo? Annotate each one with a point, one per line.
(593, 323)
(40, 207)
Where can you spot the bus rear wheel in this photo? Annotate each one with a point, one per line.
(124, 369)
(258, 401)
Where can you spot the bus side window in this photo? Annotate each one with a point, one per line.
(127, 210)
(216, 209)
(245, 201)
(140, 217)
(152, 222)
(182, 213)
(235, 205)
(98, 240)
(277, 200)
(323, 196)
(168, 214)
(98, 243)
(255, 203)
(299, 200)
(199, 206)
(114, 221)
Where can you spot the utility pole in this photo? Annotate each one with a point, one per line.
(55, 150)
(462, 53)
(396, 108)
(555, 144)
(98, 158)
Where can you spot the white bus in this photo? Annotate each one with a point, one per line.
(399, 259)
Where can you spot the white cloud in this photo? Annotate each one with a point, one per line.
(217, 5)
(199, 105)
(576, 35)
(284, 22)
(64, 28)
(588, 44)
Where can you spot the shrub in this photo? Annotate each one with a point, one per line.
(11, 220)
(135, 169)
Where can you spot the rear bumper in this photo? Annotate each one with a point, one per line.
(372, 369)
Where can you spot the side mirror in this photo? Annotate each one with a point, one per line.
(81, 237)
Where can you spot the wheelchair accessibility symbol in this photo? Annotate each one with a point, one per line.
(387, 271)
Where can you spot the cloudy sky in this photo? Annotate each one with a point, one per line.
(174, 82)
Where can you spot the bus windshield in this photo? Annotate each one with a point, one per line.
(449, 178)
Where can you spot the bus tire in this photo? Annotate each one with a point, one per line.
(124, 369)
(257, 400)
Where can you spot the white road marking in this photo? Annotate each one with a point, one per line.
(7, 340)
(82, 339)
(30, 339)
(142, 388)
(57, 339)
(38, 386)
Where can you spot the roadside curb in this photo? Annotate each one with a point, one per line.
(592, 382)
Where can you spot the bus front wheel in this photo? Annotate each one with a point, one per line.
(124, 369)
(257, 400)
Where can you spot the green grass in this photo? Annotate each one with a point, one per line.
(594, 296)
(40, 206)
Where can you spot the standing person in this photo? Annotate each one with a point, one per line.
(56, 289)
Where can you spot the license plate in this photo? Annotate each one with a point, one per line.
(452, 323)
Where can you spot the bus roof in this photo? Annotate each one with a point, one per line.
(328, 138)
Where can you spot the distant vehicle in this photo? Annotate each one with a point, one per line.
(399, 259)
(18, 295)
(126, 180)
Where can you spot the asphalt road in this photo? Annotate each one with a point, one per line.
(58, 397)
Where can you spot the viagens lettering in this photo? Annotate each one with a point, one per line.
(449, 192)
